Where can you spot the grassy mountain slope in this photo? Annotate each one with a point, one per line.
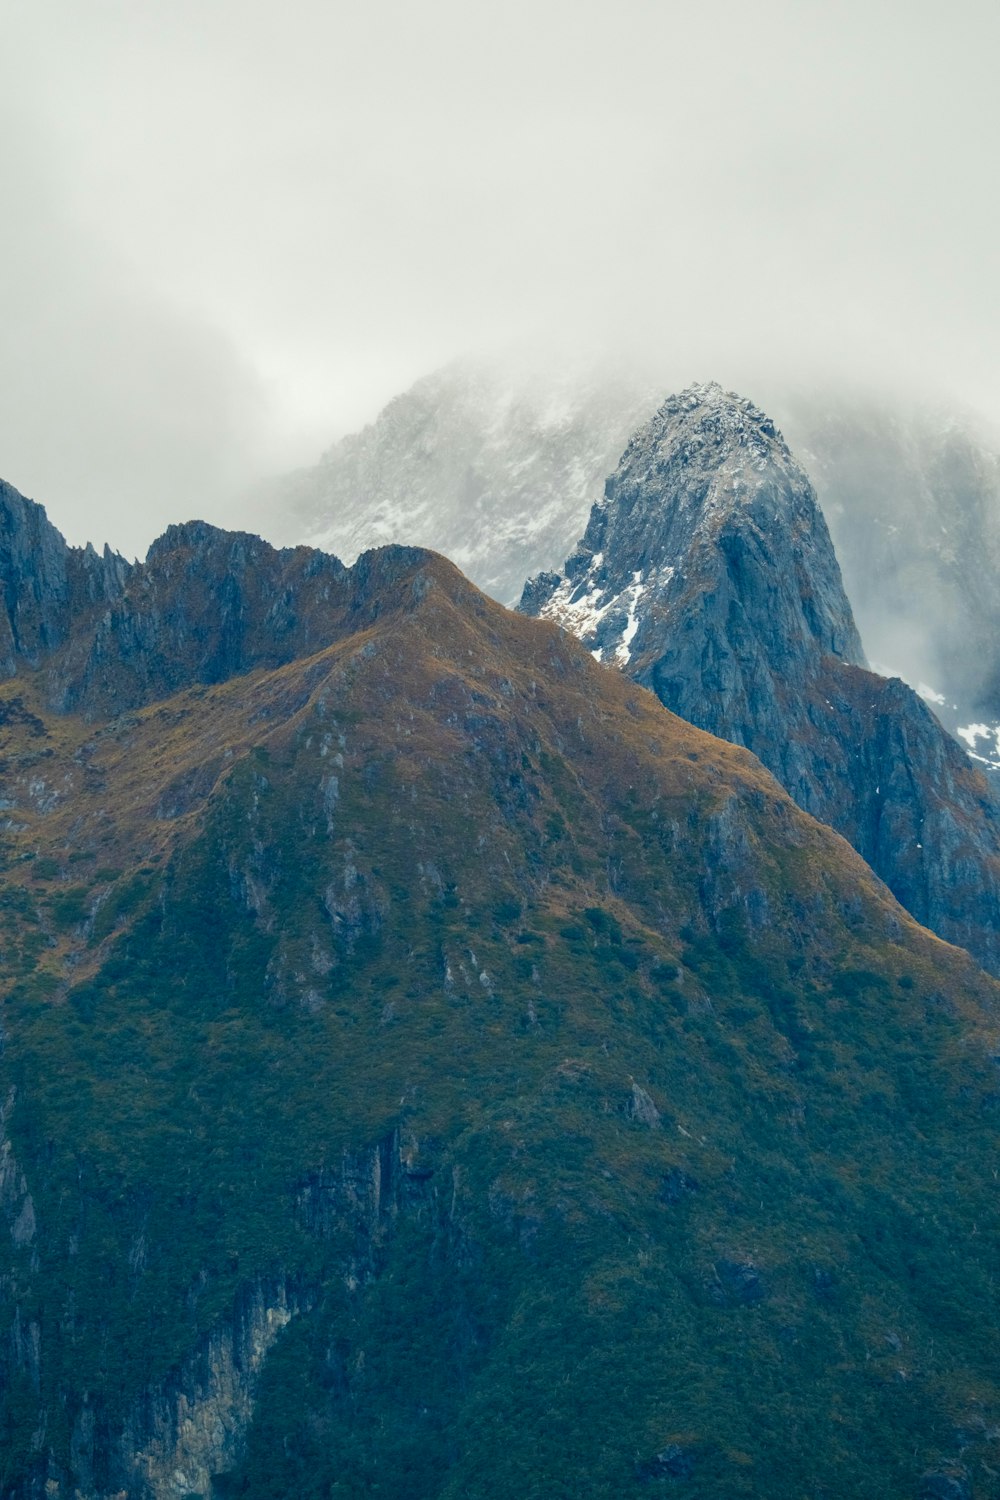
(596, 1122)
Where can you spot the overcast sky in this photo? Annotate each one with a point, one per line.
(232, 229)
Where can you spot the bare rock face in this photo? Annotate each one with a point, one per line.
(707, 493)
(17, 1209)
(47, 585)
(179, 1436)
(707, 573)
(206, 605)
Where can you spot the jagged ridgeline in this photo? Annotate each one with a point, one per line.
(708, 575)
(495, 462)
(432, 1069)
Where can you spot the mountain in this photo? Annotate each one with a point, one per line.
(707, 573)
(912, 497)
(430, 1067)
(497, 462)
(48, 587)
(492, 462)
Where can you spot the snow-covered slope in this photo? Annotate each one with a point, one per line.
(707, 573)
(708, 465)
(497, 463)
(492, 463)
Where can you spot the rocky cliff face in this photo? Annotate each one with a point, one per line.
(497, 464)
(192, 1426)
(204, 606)
(708, 574)
(49, 588)
(708, 488)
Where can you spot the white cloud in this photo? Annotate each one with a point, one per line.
(236, 216)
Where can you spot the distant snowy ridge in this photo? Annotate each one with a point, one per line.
(497, 463)
(490, 463)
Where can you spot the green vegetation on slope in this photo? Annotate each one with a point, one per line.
(607, 1127)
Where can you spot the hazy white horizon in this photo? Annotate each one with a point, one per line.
(235, 231)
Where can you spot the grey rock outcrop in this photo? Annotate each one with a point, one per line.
(17, 1208)
(47, 585)
(181, 1435)
(206, 605)
(187, 1430)
(707, 574)
(496, 461)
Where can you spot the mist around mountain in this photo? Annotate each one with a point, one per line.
(489, 462)
(432, 1067)
(912, 498)
(707, 573)
(496, 463)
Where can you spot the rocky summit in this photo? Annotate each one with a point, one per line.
(496, 462)
(430, 1068)
(49, 588)
(708, 574)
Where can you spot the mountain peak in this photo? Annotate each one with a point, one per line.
(722, 447)
(709, 469)
(708, 574)
(493, 462)
(710, 406)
